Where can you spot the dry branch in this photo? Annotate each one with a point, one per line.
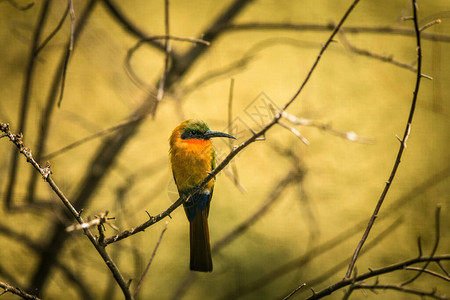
(387, 30)
(45, 172)
(401, 149)
(17, 291)
(376, 272)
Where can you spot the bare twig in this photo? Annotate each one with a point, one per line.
(17, 291)
(393, 287)
(98, 220)
(436, 244)
(351, 288)
(138, 287)
(322, 50)
(428, 271)
(376, 272)
(349, 135)
(429, 24)
(364, 52)
(329, 27)
(400, 151)
(295, 291)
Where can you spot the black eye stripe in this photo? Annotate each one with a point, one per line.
(192, 133)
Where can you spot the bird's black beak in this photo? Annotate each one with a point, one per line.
(211, 134)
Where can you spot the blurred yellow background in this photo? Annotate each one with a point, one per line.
(342, 182)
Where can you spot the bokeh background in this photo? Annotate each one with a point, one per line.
(340, 180)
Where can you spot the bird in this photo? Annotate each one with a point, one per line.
(192, 157)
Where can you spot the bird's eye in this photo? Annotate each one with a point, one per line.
(195, 132)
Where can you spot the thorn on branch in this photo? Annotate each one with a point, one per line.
(428, 25)
(17, 140)
(99, 221)
(261, 138)
(408, 18)
(210, 173)
(46, 171)
(426, 76)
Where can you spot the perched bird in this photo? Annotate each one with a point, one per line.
(192, 156)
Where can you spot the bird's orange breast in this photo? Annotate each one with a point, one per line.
(191, 159)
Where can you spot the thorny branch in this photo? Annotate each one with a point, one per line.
(17, 291)
(376, 272)
(416, 292)
(436, 244)
(16, 139)
(329, 27)
(401, 149)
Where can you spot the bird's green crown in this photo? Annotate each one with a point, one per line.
(194, 129)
